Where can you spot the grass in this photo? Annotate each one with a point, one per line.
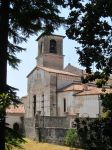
(33, 145)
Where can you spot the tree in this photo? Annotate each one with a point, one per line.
(18, 20)
(12, 138)
(94, 134)
(90, 24)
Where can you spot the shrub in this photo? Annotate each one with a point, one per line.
(95, 134)
(71, 137)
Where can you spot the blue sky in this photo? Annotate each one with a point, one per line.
(17, 78)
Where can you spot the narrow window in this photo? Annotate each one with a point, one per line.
(53, 46)
(64, 104)
(34, 107)
(41, 48)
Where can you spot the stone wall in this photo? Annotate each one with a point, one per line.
(51, 135)
(56, 122)
(47, 59)
(13, 118)
(84, 105)
(87, 105)
(38, 85)
(17, 119)
(29, 127)
(53, 130)
(70, 106)
(52, 61)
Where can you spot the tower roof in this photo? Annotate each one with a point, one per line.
(42, 35)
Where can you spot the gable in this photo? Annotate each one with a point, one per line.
(74, 70)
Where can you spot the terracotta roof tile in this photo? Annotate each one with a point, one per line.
(14, 109)
(76, 87)
(84, 89)
(94, 91)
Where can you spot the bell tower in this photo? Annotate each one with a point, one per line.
(50, 51)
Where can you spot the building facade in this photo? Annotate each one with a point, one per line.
(55, 95)
(57, 91)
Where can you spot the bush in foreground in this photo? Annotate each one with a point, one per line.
(71, 137)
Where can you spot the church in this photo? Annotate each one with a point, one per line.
(55, 95)
(57, 91)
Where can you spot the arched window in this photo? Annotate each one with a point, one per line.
(53, 46)
(16, 126)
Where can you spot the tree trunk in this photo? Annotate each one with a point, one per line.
(4, 24)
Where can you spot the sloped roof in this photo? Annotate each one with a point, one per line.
(83, 89)
(32, 71)
(94, 91)
(13, 109)
(57, 71)
(72, 87)
(42, 35)
(24, 96)
(75, 70)
(50, 70)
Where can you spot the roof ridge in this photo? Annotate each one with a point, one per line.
(58, 71)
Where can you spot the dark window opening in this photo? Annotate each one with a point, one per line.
(53, 46)
(16, 126)
(41, 47)
(34, 107)
(64, 102)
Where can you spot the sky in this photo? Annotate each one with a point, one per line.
(18, 79)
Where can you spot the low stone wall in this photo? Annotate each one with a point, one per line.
(49, 129)
(52, 121)
(29, 126)
(51, 135)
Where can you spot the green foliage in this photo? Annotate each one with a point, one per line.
(97, 77)
(12, 137)
(105, 114)
(95, 134)
(4, 102)
(27, 18)
(107, 101)
(20, 20)
(7, 98)
(100, 83)
(90, 24)
(71, 137)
